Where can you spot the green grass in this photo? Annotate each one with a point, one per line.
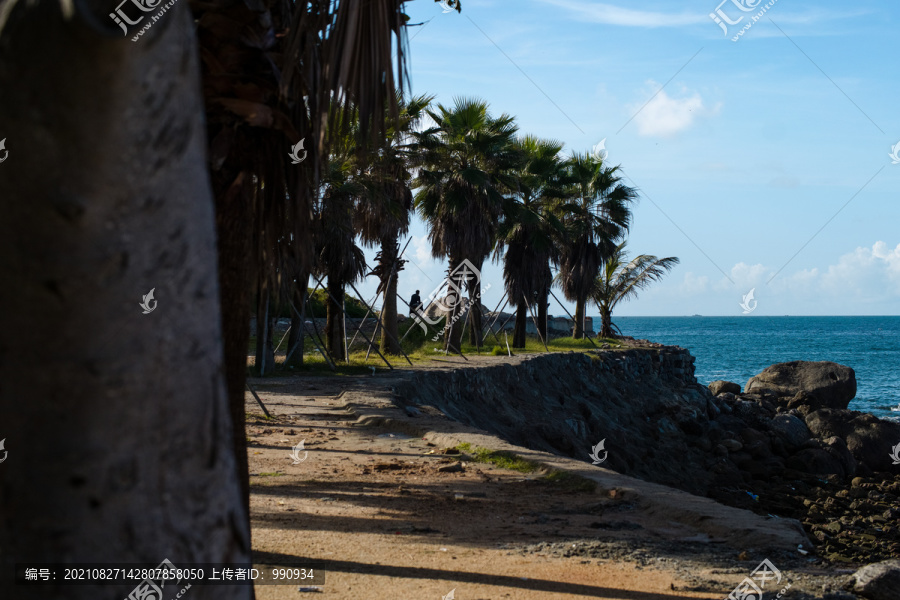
(273, 474)
(419, 346)
(560, 480)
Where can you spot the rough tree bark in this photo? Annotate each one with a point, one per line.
(578, 327)
(334, 319)
(475, 320)
(390, 328)
(521, 324)
(118, 429)
(297, 327)
(542, 315)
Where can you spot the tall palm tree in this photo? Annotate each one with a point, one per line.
(467, 161)
(271, 73)
(620, 281)
(597, 216)
(384, 208)
(530, 233)
(337, 255)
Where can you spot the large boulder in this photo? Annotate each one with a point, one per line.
(879, 581)
(828, 384)
(824, 457)
(791, 430)
(868, 438)
(720, 387)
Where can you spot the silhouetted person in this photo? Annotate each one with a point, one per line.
(415, 303)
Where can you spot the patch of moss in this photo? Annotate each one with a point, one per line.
(499, 458)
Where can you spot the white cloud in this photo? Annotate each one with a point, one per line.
(608, 14)
(665, 116)
(422, 247)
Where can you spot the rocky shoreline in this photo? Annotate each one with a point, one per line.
(812, 459)
(786, 447)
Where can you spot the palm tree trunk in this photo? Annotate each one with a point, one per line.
(606, 322)
(234, 201)
(475, 318)
(265, 351)
(521, 324)
(138, 401)
(390, 329)
(334, 319)
(542, 314)
(578, 328)
(454, 323)
(297, 326)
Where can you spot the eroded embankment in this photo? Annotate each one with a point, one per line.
(659, 425)
(645, 403)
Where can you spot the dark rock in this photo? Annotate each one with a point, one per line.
(719, 386)
(868, 438)
(791, 430)
(879, 581)
(828, 384)
(837, 448)
(822, 460)
(732, 445)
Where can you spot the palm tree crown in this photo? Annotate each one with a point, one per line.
(620, 281)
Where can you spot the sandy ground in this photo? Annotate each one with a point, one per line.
(372, 509)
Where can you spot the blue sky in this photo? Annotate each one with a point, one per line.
(762, 163)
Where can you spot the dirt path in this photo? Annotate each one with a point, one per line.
(373, 508)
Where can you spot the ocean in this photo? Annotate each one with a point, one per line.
(736, 348)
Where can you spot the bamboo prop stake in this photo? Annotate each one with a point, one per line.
(508, 319)
(255, 395)
(282, 339)
(391, 367)
(508, 351)
(361, 323)
(353, 287)
(534, 320)
(465, 322)
(323, 348)
(571, 317)
(497, 317)
(320, 348)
